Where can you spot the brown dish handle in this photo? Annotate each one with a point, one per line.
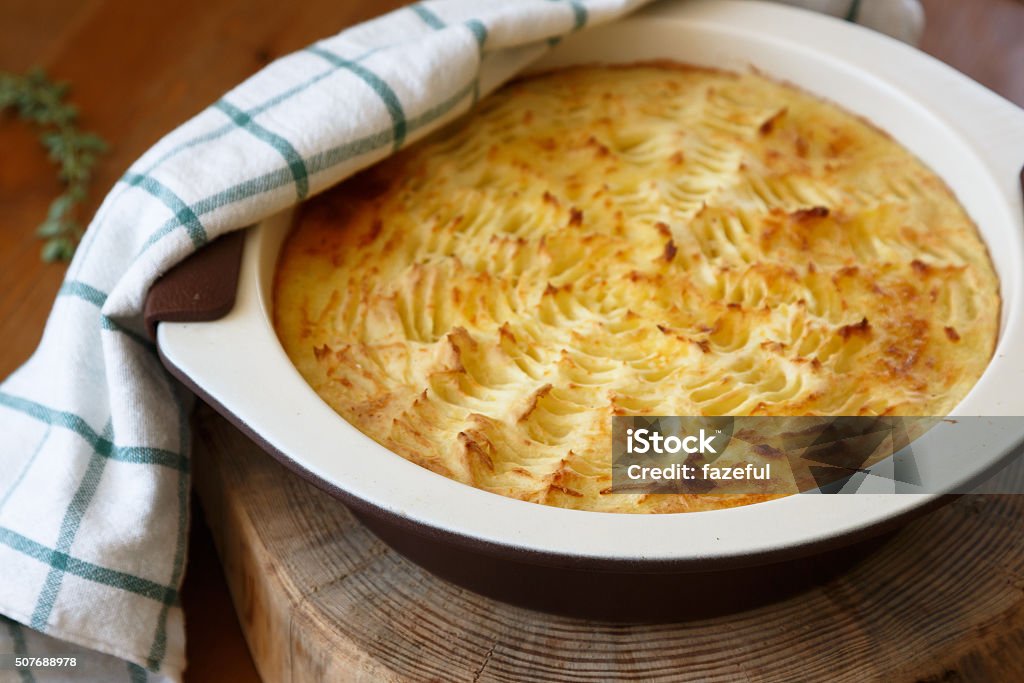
(200, 288)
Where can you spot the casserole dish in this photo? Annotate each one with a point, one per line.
(970, 137)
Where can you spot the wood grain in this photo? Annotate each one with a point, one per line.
(321, 598)
(139, 69)
(982, 38)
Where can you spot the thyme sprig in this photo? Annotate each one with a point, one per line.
(42, 102)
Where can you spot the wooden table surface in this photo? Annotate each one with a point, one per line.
(138, 69)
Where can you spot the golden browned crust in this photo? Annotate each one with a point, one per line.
(649, 240)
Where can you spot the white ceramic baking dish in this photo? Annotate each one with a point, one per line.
(971, 137)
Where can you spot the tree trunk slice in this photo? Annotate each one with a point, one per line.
(320, 598)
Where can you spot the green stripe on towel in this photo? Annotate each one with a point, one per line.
(283, 147)
(182, 213)
(428, 17)
(88, 570)
(379, 86)
(69, 526)
(141, 455)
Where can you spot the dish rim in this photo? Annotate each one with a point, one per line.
(294, 422)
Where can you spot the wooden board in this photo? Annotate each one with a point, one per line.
(320, 598)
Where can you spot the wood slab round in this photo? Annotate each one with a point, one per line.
(320, 598)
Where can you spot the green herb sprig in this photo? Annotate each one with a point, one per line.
(40, 101)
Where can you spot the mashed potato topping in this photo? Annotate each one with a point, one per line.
(644, 240)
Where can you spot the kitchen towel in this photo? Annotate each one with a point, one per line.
(94, 483)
